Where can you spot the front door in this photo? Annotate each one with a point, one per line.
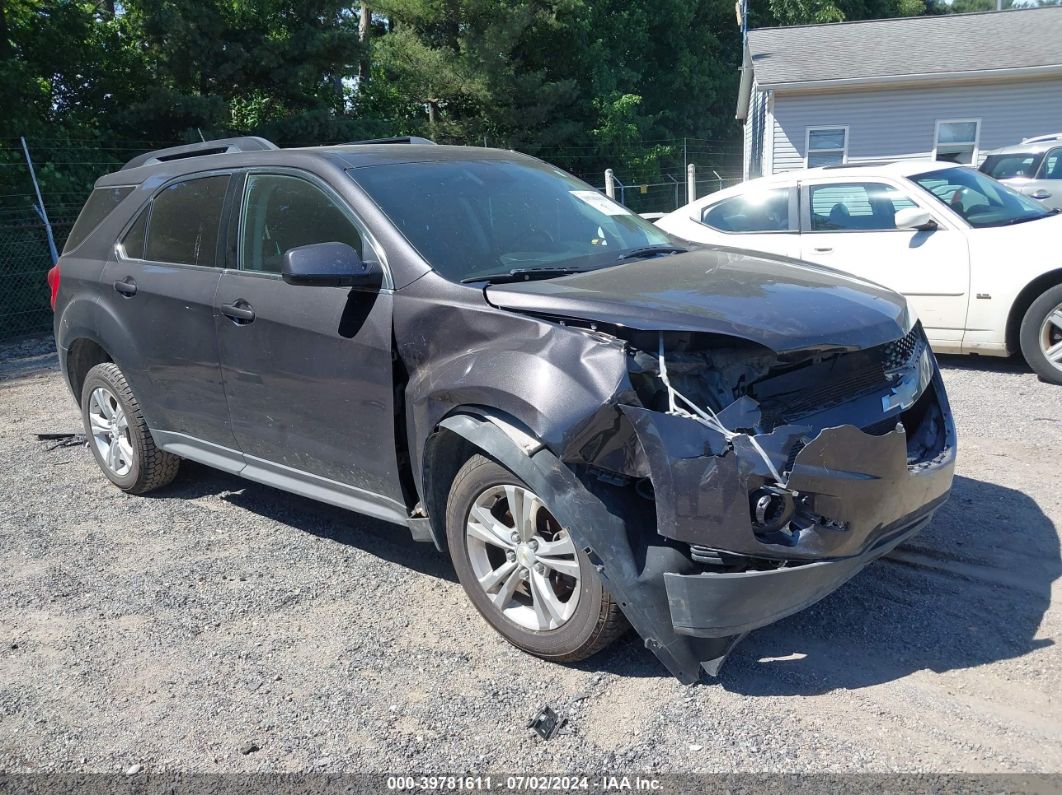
(308, 370)
(851, 226)
(1047, 184)
(159, 296)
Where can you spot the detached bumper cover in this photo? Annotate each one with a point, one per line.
(722, 605)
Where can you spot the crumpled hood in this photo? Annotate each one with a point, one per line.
(784, 304)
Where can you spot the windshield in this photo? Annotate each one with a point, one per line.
(484, 217)
(979, 199)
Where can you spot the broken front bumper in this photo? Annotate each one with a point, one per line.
(718, 605)
(856, 495)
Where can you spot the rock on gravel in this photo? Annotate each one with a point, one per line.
(174, 627)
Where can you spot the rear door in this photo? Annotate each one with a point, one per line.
(761, 219)
(158, 298)
(850, 225)
(308, 370)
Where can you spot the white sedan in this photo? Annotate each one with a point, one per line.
(980, 263)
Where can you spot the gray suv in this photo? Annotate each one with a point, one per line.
(1033, 167)
(600, 424)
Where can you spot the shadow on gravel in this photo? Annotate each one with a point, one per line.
(969, 590)
(384, 540)
(984, 364)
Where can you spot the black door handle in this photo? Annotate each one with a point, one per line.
(126, 287)
(239, 311)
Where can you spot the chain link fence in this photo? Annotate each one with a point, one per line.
(24, 263)
(663, 197)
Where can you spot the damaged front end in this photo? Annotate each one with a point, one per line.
(773, 477)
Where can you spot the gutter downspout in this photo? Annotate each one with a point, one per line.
(745, 87)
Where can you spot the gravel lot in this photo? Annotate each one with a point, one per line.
(225, 626)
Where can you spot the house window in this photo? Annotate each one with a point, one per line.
(826, 146)
(956, 141)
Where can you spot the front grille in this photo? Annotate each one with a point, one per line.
(838, 388)
(818, 386)
(901, 352)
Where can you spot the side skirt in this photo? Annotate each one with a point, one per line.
(281, 477)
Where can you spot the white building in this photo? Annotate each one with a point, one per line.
(948, 87)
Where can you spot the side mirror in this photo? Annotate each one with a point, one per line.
(915, 218)
(330, 265)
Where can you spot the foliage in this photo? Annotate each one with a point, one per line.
(585, 83)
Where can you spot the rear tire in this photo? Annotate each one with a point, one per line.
(540, 622)
(118, 435)
(1041, 335)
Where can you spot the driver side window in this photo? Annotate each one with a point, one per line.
(282, 212)
(855, 207)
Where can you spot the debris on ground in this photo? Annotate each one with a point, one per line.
(546, 723)
(65, 439)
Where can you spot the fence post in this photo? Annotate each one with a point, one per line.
(691, 182)
(610, 185)
(41, 211)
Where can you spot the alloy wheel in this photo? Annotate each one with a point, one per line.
(110, 431)
(522, 558)
(1051, 337)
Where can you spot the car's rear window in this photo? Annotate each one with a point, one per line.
(101, 203)
(1012, 166)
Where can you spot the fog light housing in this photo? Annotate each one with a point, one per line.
(771, 509)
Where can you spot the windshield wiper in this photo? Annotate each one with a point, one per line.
(521, 274)
(1013, 221)
(651, 251)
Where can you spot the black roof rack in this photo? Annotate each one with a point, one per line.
(221, 146)
(401, 139)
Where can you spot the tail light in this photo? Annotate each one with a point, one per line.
(53, 283)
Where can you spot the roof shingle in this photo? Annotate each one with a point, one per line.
(884, 48)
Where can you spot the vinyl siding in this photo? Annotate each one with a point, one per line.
(901, 123)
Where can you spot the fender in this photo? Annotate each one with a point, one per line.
(522, 383)
(593, 514)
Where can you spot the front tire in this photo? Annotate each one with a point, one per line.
(1041, 335)
(118, 435)
(522, 571)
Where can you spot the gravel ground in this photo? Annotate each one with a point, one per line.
(225, 626)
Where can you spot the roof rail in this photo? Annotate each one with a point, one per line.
(1040, 138)
(401, 139)
(221, 146)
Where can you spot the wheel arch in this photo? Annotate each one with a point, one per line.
(83, 354)
(1028, 294)
(464, 432)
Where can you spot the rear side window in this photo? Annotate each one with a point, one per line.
(133, 242)
(184, 222)
(1011, 166)
(101, 203)
(763, 211)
